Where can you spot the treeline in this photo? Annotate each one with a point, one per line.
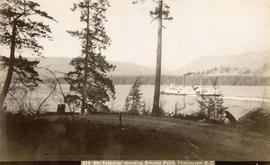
(264, 70)
(192, 80)
(196, 80)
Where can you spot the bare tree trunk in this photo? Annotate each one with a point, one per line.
(156, 110)
(85, 64)
(10, 67)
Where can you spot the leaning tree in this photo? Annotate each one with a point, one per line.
(161, 12)
(89, 84)
(20, 28)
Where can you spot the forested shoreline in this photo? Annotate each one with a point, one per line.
(196, 80)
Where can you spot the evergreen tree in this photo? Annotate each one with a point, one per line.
(220, 108)
(134, 104)
(89, 83)
(19, 29)
(160, 13)
(211, 107)
(24, 72)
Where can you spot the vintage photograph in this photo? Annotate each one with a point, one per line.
(134, 80)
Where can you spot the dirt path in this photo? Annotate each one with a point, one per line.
(236, 142)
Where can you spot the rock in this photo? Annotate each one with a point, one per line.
(226, 121)
(230, 117)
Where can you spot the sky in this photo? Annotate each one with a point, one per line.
(199, 28)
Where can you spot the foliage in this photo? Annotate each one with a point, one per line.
(164, 11)
(195, 116)
(157, 10)
(25, 73)
(146, 109)
(257, 120)
(22, 91)
(24, 100)
(211, 107)
(23, 14)
(89, 84)
(133, 104)
(20, 27)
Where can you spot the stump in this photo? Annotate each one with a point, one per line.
(61, 108)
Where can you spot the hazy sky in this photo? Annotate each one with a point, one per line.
(199, 28)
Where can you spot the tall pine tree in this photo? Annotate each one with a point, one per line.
(161, 12)
(89, 83)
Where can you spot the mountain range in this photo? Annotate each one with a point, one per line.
(248, 63)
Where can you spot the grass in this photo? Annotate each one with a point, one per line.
(39, 137)
(67, 136)
(257, 120)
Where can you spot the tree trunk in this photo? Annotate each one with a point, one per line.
(85, 64)
(10, 67)
(8, 81)
(156, 110)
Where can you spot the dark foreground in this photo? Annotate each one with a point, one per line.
(101, 137)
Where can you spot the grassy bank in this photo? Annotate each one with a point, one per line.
(65, 137)
(100, 137)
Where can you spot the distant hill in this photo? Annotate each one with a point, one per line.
(244, 64)
(61, 65)
(237, 64)
(131, 69)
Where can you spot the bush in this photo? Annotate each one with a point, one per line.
(146, 109)
(257, 120)
(197, 116)
(211, 108)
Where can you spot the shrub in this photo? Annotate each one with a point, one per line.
(146, 109)
(211, 108)
(257, 120)
(195, 116)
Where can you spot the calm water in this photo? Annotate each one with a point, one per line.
(239, 99)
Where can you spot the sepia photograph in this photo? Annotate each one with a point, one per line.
(135, 80)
